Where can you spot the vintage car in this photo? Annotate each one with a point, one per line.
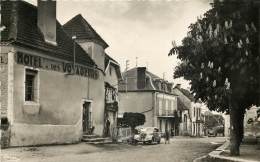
(213, 132)
(148, 135)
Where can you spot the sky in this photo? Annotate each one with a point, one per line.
(142, 29)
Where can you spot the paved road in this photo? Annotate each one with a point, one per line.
(179, 150)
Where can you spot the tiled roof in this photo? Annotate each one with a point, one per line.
(107, 58)
(181, 105)
(153, 75)
(20, 20)
(117, 66)
(83, 30)
(150, 85)
(186, 93)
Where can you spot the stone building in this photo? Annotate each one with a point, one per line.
(112, 78)
(52, 89)
(192, 122)
(143, 92)
(95, 46)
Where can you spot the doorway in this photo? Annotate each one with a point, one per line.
(86, 118)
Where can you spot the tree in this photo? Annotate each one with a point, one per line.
(221, 60)
(133, 119)
(213, 120)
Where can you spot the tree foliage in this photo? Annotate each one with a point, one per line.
(213, 120)
(133, 119)
(220, 56)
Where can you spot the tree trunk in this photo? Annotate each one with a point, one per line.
(236, 128)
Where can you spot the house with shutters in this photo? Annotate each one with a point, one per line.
(143, 92)
(112, 78)
(52, 82)
(192, 119)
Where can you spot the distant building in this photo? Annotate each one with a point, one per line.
(252, 122)
(143, 92)
(192, 122)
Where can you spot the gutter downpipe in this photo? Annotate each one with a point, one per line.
(155, 94)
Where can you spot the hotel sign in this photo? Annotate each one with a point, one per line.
(54, 65)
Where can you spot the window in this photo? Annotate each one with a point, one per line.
(30, 87)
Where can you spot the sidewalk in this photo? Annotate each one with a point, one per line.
(248, 153)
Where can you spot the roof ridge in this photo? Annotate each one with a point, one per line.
(111, 58)
(72, 19)
(86, 26)
(25, 32)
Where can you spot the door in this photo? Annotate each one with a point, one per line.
(86, 119)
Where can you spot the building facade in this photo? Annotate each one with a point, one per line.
(144, 92)
(51, 87)
(95, 46)
(197, 120)
(112, 77)
(252, 122)
(192, 120)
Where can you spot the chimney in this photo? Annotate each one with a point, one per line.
(141, 77)
(169, 87)
(47, 20)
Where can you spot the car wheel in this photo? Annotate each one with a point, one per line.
(153, 139)
(150, 142)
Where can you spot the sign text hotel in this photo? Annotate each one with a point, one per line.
(49, 64)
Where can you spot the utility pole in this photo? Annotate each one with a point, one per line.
(136, 61)
(126, 65)
(163, 94)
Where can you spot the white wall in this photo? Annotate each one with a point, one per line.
(59, 117)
